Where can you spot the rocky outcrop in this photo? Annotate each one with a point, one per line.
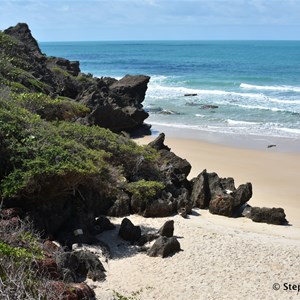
(22, 33)
(164, 247)
(219, 194)
(273, 215)
(114, 104)
(76, 266)
(174, 171)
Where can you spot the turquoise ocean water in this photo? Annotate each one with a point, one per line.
(254, 84)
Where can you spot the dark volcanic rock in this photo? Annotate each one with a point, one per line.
(130, 90)
(219, 194)
(117, 118)
(78, 265)
(243, 194)
(222, 205)
(22, 33)
(266, 215)
(167, 229)
(164, 247)
(129, 232)
(158, 208)
(158, 143)
(200, 196)
(114, 104)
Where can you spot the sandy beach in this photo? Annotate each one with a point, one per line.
(222, 258)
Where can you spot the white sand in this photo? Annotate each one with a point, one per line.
(222, 258)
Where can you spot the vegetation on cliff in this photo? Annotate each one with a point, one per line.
(51, 154)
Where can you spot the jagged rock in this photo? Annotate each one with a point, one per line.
(164, 247)
(116, 118)
(158, 143)
(174, 167)
(130, 90)
(167, 229)
(72, 67)
(273, 215)
(22, 33)
(78, 265)
(114, 104)
(222, 205)
(129, 232)
(242, 195)
(200, 196)
(208, 187)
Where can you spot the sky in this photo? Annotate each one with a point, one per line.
(96, 20)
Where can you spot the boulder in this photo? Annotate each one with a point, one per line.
(130, 90)
(158, 209)
(222, 205)
(164, 247)
(167, 229)
(200, 196)
(209, 187)
(273, 215)
(117, 119)
(78, 265)
(242, 194)
(129, 232)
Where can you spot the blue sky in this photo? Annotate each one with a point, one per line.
(78, 20)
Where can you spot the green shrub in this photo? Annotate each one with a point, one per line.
(144, 190)
(61, 108)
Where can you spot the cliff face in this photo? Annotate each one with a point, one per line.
(113, 104)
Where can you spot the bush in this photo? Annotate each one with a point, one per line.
(144, 190)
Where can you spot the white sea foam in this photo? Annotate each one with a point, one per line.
(234, 122)
(283, 88)
(290, 130)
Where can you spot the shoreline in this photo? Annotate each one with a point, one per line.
(273, 174)
(248, 141)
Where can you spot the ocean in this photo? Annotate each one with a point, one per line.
(241, 87)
